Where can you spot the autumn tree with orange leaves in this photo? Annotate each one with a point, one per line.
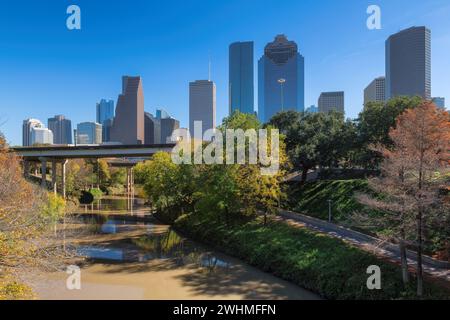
(415, 171)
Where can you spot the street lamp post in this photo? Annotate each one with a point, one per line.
(282, 82)
(330, 216)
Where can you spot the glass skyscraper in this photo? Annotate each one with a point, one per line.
(105, 116)
(89, 133)
(281, 79)
(408, 63)
(241, 85)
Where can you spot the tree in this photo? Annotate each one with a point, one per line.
(413, 173)
(27, 216)
(374, 124)
(319, 139)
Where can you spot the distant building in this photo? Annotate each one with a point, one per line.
(439, 102)
(89, 133)
(375, 91)
(168, 126)
(281, 79)
(152, 129)
(161, 114)
(105, 116)
(26, 130)
(41, 136)
(202, 105)
(128, 125)
(329, 101)
(241, 78)
(61, 128)
(312, 109)
(408, 63)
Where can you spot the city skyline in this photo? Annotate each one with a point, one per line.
(359, 49)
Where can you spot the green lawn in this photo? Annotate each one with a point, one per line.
(312, 198)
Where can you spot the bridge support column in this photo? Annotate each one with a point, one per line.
(63, 178)
(43, 172)
(54, 172)
(26, 169)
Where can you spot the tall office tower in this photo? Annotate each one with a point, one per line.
(40, 136)
(312, 109)
(168, 126)
(61, 128)
(331, 101)
(375, 91)
(89, 133)
(241, 83)
(128, 126)
(26, 130)
(152, 129)
(281, 79)
(105, 116)
(202, 105)
(439, 102)
(408, 63)
(161, 114)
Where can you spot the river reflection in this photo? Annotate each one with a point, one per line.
(144, 240)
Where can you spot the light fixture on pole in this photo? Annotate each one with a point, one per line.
(282, 81)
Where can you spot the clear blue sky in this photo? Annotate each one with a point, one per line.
(47, 69)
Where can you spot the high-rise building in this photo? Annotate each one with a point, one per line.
(128, 126)
(26, 130)
(152, 129)
(312, 109)
(241, 83)
(168, 126)
(89, 133)
(281, 79)
(375, 91)
(105, 116)
(40, 136)
(105, 110)
(329, 101)
(202, 105)
(161, 114)
(61, 128)
(408, 63)
(439, 102)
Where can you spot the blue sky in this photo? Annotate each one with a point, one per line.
(47, 69)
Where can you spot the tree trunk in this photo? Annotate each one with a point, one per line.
(419, 255)
(404, 262)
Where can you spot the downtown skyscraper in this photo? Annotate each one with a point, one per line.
(241, 77)
(202, 105)
(61, 128)
(375, 91)
(128, 126)
(281, 79)
(408, 63)
(27, 127)
(105, 116)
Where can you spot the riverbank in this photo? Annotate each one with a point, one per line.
(325, 265)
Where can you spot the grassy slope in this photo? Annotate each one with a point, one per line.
(311, 198)
(316, 262)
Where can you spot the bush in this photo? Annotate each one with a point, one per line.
(97, 193)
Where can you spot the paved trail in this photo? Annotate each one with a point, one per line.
(434, 268)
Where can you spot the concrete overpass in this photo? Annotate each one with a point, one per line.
(61, 154)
